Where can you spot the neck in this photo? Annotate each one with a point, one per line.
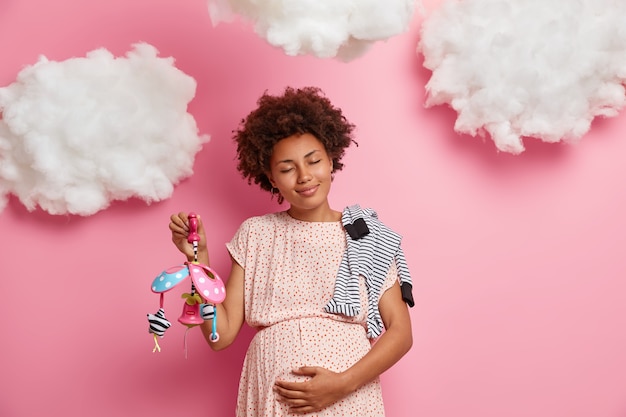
(318, 214)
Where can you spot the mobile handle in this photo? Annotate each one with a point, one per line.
(193, 228)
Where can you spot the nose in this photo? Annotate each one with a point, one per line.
(304, 175)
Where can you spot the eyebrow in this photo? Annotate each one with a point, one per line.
(308, 155)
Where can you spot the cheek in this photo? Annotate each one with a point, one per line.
(326, 171)
(283, 181)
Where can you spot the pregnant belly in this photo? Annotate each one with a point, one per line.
(331, 344)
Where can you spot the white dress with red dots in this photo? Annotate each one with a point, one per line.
(290, 270)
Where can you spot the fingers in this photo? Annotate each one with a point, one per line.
(305, 371)
(291, 389)
(178, 222)
(297, 401)
(287, 387)
(302, 409)
(291, 397)
(321, 388)
(309, 371)
(180, 230)
(284, 390)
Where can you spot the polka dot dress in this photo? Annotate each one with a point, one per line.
(290, 269)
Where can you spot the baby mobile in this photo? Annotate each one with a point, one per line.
(207, 290)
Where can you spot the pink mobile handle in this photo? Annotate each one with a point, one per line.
(193, 228)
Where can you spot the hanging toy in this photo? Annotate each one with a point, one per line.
(207, 290)
(158, 326)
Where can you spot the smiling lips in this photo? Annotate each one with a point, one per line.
(307, 192)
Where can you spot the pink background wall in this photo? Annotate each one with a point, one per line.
(518, 260)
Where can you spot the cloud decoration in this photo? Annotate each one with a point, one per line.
(78, 134)
(324, 28)
(534, 68)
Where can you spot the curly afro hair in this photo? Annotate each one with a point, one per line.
(297, 111)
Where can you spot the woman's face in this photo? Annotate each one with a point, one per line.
(302, 171)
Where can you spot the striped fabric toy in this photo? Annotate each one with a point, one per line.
(158, 325)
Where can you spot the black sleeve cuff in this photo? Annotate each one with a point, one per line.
(407, 293)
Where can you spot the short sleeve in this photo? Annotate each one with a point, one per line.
(392, 278)
(238, 246)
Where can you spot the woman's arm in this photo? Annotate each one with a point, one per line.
(326, 387)
(230, 313)
(394, 343)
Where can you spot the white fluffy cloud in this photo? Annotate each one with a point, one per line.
(533, 68)
(325, 28)
(76, 135)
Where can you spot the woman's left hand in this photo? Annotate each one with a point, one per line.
(323, 388)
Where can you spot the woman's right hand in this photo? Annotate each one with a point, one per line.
(179, 226)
